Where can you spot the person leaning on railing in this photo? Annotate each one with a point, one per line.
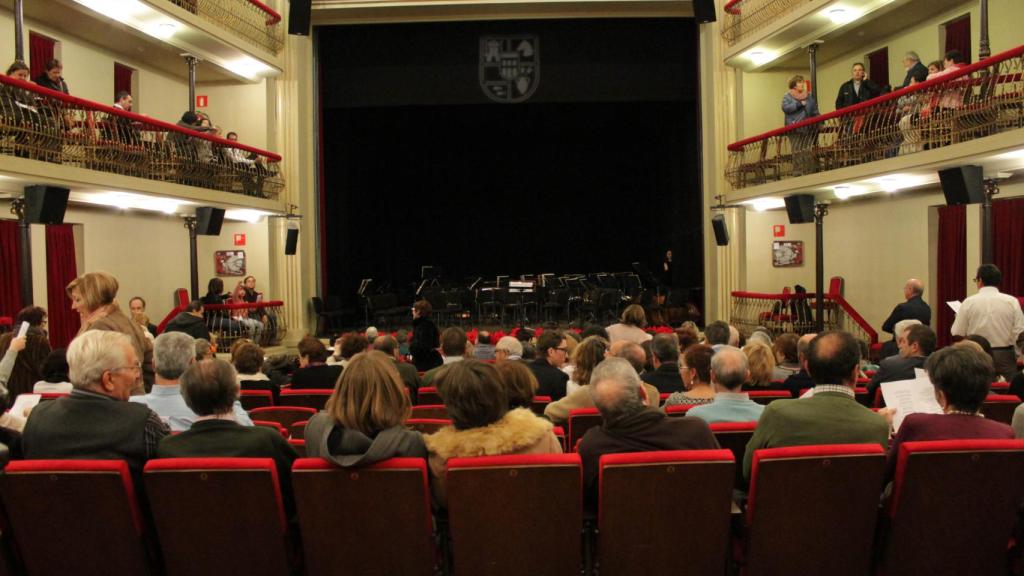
(798, 104)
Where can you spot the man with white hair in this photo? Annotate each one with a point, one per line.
(508, 348)
(630, 425)
(96, 421)
(913, 308)
(173, 353)
(729, 371)
(899, 332)
(912, 64)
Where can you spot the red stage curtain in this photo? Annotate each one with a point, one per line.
(878, 66)
(122, 78)
(40, 51)
(60, 270)
(952, 250)
(958, 37)
(10, 277)
(1008, 244)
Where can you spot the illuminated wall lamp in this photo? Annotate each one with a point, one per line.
(842, 192)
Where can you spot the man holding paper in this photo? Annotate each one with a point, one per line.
(915, 345)
(994, 315)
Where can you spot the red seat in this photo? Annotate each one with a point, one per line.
(307, 397)
(430, 411)
(298, 430)
(1000, 407)
(734, 436)
(581, 420)
(299, 445)
(52, 396)
(256, 399)
(679, 409)
(351, 519)
(812, 509)
(283, 415)
(953, 506)
(639, 533)
(662, 397)
(428, 395)
(515, 515)
(218, 515)
(539, 404)
(999, 387)
(768, 396)
(427, 425)
(273, 425)
(74, 516)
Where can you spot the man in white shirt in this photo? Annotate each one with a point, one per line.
(994, 315)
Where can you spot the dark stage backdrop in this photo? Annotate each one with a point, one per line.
(596, 169)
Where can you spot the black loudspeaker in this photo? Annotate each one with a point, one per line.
(704, 11)
(962, 185)
(299, 14)
(800, 208)
(209, 220)
(291, 241)
(721, 230)
(45, 204)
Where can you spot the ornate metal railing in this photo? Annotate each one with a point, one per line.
(975, 101)
(42, 124)
(780, 313)
(262, 322)
(744, 17)
(251, 20)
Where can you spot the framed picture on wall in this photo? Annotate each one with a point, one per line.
(787, 253)
(229, 262)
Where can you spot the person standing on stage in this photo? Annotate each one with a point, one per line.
(425, 338)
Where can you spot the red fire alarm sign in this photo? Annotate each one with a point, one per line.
(202, 101)
(779, 231)
(239, 239)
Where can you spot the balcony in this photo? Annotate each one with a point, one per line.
(41, 125)
(794, 312)
(975, 106)
(745, 17)
(251, 20)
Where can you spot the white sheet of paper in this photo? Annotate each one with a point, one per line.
(920, 373)
(955, 305)
(25, 401)
(910, 397)
(23, 329)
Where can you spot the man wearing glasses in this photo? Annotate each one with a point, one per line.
(96, 421)
(994, 315)
(551, 356)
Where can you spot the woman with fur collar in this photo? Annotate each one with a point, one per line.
(483, 425)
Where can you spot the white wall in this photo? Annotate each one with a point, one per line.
(240, 108)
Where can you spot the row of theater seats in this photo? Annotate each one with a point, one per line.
(811, 510)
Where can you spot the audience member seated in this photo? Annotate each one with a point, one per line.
(551, 355)
(688, 335)
(529, 351)
(729, 371)
(832, 415)
(92, 296)
(138, 306)
(787, 359)
(363, 420)
(218, 320)
(55, 374)
(665, 376)
(630, 425)
(587, 355)
(96, 422)
(242, 315)
(313, 372)
(484, 350)
(482, 424)
(407, 372)
(760, 335)
(425, 338)
(350, 344)
(761, 362)
(594, 330)
(22, 363)
(915, 345)
(802, 379)
(190, 321)
(899, 330)
(631, 326)
(572, 340)
(210, 390)
(173, 353)
(520, 384)
(453, 349)
(695, 369)
(507, 348)
(637, 356)
(204, 349)
(717, 334)
(142, 320)
(402, 336)
(248, 362)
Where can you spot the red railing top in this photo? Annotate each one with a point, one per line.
(167, 126)
(732, 7)
(854, 315)
(243, 306)
(894, 95)
(272, 16)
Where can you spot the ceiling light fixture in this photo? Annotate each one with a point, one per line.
(759, 57)
(840, 15)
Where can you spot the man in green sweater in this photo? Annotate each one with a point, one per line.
(832, 415)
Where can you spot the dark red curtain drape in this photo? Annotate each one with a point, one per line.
(958, 37)
(1008, 244)
(952, 249)
(60, 270)
(40, 51)
(122, 78)
(10, 277)
(878, 66)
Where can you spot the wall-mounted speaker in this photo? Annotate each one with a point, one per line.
(45, 204)
(721, 230)
(299, 15)
(800, 208)
(209, 220)
(291, 241)
(962, 185)
(704, 11)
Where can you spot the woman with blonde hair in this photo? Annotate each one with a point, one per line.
(761, 360)
(363, 420)
(92, 296)
(631, 326)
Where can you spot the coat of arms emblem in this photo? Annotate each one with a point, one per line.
(509, 67)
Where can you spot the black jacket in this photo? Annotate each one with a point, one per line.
(894, 369)
(913, 309)
(60, 85)
(665, 378)
(189, 324)
(910, 73)
(848, 97)
(319, 376)
(551, 380)
(425, 340)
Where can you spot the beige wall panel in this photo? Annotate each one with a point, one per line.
(240, 108)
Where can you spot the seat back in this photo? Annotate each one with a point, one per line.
(539, 403)
(581, 420)
(218, 515)
(639, 533)
(430, 411)
(86, 509)
(426, 425)
(299, 445)
(1000, 407)
(678, 410)
(372, 520)
(255, 398)
(498, 526)
(283, 415)
(315, 398)
(812, 509)
(298, 430)
(428, 395)
(768, 396)
(272, 425)
(734, 436)
(953, 506)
